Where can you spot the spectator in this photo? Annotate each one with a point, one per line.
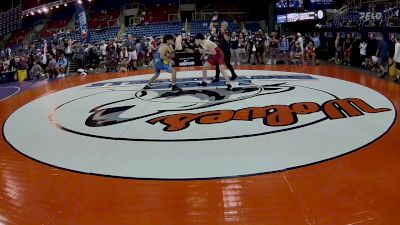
(123, 56)
(103, 49)
(283, 47)
(242, 48)
(62, 65)
(347, 51)
(130, 44)
(43, 60)
(251, 49)
(146, 48)
(36, 71)
(13, 65)
(8, 52)
(93, 57)
(339, 50)
(111, 58)
(310, 53)
(51, 69)
(300, 40)
(178, 44)
(363, 52)
(355, 52)
(274, 46)
(396, 58)
(383, 53)
(317, 44)
(295, 53)
(22, 65)
(80, 55)
(139, 50)
(259, 45)
(69, 50)
(235, 51)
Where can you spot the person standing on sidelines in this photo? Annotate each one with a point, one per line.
(301, 44)
(130, 44)
(383, 53)
(283, 48)
(242, 48)
(363, 52)
(234, 43)
(396, 58)
(317, 44)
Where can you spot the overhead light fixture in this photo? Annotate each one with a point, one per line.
(45, 9)
(80, 1)
(65, 4)
(57, 6)
(39, 11)
(32, 13)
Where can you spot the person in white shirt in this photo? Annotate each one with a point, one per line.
(301, 43)
(8, 52)
(396, 57)
(43, 60)
(103, 49)
(363, 52)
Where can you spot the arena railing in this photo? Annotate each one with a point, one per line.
(209, 15)
(133, 6)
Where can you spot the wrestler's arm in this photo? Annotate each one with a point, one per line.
(209, 51)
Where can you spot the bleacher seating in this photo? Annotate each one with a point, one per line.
(156, 29)
(101, 35)
(18, 36)
(160, 13)
(54, 26)
(224, 7)
(15, 48)
(253, 27)
(101, 29)
(202, 26)
(101, 20)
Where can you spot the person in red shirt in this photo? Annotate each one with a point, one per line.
(310, 52)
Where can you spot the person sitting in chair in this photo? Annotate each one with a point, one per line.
(36, 71)
(295, 53)
(310, 53)
(62, 65)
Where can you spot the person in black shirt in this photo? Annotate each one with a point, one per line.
(259, 43)
(224, 45)
(355, 53)
(251, 49)
(347, 45)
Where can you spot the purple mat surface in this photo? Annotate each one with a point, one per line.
(10, 89)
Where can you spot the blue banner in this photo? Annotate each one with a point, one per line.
(82, 21)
